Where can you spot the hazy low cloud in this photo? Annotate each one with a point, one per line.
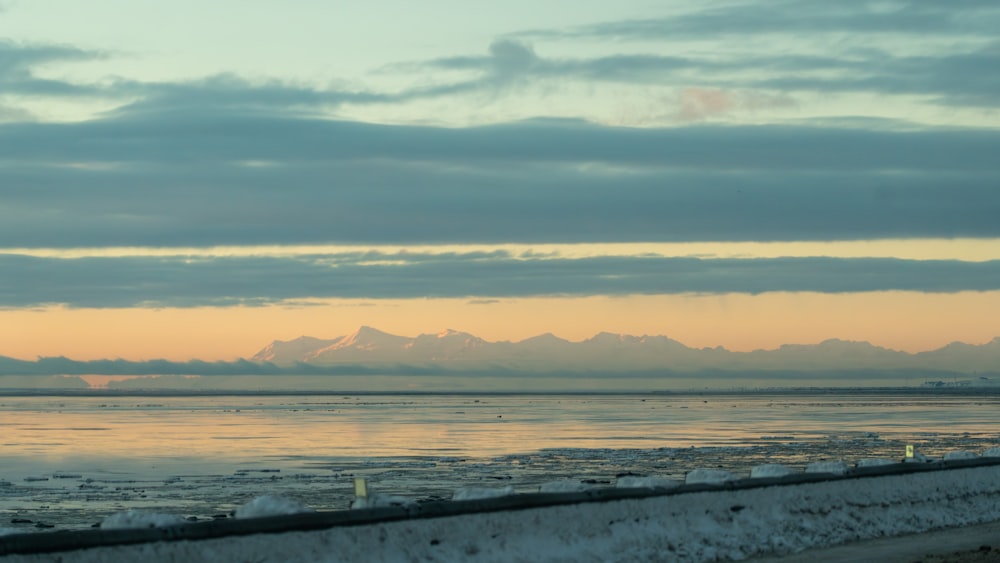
(68, 367)
(187, 282)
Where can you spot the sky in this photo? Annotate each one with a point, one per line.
(194, 180)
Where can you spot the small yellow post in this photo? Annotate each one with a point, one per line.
(909, 451)
(360, 487)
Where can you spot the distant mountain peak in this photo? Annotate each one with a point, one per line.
(546, 338)
(454, 349)
(368, 338)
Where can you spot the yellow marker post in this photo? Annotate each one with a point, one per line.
(909, 451)
(360, 487)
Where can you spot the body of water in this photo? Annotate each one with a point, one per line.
(70, 460)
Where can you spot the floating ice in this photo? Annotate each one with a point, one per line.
(769, 470)
(834, 467)
(268, 505)
(476, 493)
(633, 482)
(874, 462)
(709, 476)
(992, 452)
(564, 486)
(917, 458)
(140, 519)
(9, 531)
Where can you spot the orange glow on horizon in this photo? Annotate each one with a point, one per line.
(907, 321)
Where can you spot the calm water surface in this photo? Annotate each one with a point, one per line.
(61, 433)
(82, 456)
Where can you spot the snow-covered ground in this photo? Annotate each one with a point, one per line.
(711, 518)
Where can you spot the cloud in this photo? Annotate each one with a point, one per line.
(17, 63)
(224, 281)
(960, 79)
(700, 104)
(229, 94)
(201, 180)
(957, 75)
(880, 56)
(792, 17)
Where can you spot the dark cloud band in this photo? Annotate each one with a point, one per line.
(187, 282)
(199, 180)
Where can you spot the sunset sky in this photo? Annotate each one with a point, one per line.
(195, 179)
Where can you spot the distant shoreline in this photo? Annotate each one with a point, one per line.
(789, 391)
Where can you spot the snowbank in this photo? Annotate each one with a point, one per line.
(769, 470)
(728, 521)
(131, 519)
(270, 506)
(634, 482)
(478, 493)
(710, 476)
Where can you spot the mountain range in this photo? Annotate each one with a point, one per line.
(607, 352)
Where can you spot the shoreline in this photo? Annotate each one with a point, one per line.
(697, 521)
(963, 391)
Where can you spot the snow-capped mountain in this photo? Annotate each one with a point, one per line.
(614, 352)
(297, 350)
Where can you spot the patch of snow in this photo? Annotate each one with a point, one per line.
(874, 462)
(709, 476)
(476, 493)
(769, 470)
(376, 500)
(131, 519)
(564, 486)
(834, 467)
(960, 454)
(633, 482)
(268, 505)
(710, 525)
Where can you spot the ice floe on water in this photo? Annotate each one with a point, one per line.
(78, 503)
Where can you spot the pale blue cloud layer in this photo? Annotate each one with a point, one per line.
(760, 121)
